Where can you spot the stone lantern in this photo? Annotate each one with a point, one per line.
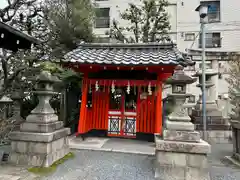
(42, 139)
(218, 128)
(179, 118)
(180, 152)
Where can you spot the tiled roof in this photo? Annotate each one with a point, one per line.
(18, 33)
(127, 54)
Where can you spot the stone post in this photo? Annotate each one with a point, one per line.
(5, 103)
(17, 119)
(41, 140)
(180, 153)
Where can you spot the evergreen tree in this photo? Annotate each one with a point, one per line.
(148, 22)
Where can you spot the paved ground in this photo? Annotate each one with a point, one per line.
(113, 145)
(221, 168)
(97, 165)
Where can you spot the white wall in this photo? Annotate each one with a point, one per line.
(117, 6)
(184, 19)
(188, 21)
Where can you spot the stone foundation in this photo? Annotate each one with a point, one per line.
(37, 153)
(181, 160)
(42, 152)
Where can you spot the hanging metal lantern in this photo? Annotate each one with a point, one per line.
(128, 88)
(149, 89)
(96, 86)
(113, 87)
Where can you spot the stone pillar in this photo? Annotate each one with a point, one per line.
(17, 119)
(41, 140)
(180, 153)
(5, 103)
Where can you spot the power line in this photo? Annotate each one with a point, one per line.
(216, 30)
(219, 23)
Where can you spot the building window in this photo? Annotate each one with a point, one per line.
(213, 10)
(212, 40)
(102, 18)
(189, 37)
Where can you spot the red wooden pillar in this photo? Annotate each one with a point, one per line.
(161, 78)
(83, 111)
(158, 117)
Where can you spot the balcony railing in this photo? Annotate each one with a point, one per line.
(211, 42)
(102, 22)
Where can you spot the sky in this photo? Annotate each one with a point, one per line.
(3, 3)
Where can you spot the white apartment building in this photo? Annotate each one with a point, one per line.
(222, 31)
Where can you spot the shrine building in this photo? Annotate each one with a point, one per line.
(122, 86)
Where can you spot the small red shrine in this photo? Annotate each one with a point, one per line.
(122, 86)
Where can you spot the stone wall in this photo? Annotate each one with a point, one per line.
(218, 129)
(218, 137)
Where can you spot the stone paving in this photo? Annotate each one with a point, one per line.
(97, 165)
(113, 145)
(222, 169)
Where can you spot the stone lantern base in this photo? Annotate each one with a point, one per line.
(39, 144)
(178, 160)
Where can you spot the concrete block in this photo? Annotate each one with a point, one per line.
(171, 159)
(174, 125)
(186, 136)
(39, 137)
(38, 147)
(41, 127)
(197, 174)
(197, 160)
(174, 146)
(170, 173)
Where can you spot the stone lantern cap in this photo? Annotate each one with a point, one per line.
(208, 72)
(46, 77)
(179, 77)
(6, 99)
